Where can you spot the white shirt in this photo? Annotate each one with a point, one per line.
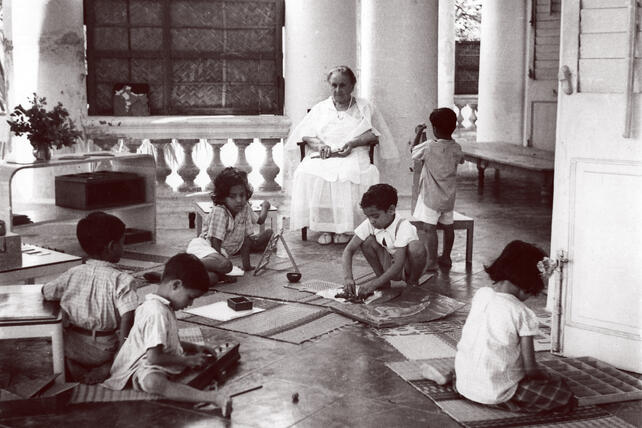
(397, 235)
(488, 364)
(154, 324)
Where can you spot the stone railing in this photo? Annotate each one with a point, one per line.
(167, 136)
(466, 109)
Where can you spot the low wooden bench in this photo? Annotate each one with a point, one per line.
(509, 156)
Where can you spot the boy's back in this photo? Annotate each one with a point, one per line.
(439, 174)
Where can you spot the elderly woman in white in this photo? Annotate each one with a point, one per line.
(328, 183)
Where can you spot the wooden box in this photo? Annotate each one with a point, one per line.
(10, 251)
(102, 189)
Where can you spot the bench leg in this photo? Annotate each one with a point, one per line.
(481, 168)
(469, 246)
(58, 352)
(304, 233)
(199, 224)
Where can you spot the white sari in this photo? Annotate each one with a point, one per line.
(326, 192)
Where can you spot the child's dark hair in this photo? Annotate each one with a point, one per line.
(518, 264)
(97, 230)
(444, 119)
(225, 180)
(189, 269)
(380, 196)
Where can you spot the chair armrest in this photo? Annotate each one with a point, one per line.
(301, 145)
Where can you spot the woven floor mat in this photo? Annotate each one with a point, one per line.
(259, 287)
(422, 346)
(474, 415)
(294, 323)
(97, 393)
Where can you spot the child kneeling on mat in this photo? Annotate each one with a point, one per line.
(153, 352)
(389, 243)
(495, 361)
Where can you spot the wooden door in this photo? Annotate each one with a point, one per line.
(597, 209)
(541, 80)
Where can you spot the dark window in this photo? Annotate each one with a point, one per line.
(196, 56)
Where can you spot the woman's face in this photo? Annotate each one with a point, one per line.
(341, 87)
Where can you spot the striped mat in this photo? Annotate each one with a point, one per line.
(472, 415)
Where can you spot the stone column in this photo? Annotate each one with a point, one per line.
(269, 170)
(502, 71)
(162, 168)
(216, 165)
(446, 54)
(241, 159)
(188, 169)
(399, 71)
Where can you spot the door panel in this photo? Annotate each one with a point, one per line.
(597, 203)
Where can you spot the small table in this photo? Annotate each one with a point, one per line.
(512, 156)
(204, 208)
(25, 314)
(38, 262)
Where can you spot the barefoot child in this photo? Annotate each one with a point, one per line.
(388, 242)
(230, 227)
(153, 352)
(495, 362)
(98, 301)
(436, 200)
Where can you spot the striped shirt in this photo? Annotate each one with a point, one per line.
(93, 296)
(230, 230)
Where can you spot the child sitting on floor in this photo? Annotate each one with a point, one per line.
(436, 200)
(389, 243)
(153, 352)
(495, 361)
(230, 227)
(97, 300)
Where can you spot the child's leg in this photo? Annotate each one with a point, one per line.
(449, 239)
(157, 383)
(372, 251)
(431, 242)
(415, 262)
(541, 395)
(216, 263)
(252, 244)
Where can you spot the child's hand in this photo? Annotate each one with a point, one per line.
(366, 289)
(194, 361)
(265, 205)
(349, 287)
(420, 128)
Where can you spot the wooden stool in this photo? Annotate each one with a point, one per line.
(25, 314)
(203, 208)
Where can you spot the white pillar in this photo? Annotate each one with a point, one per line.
(446, 51)
(399, 71)
(318, 36)
(501, 71)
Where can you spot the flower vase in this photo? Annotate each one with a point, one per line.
(42, 153)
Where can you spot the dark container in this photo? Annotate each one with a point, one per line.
(102, 189)
(239, 303)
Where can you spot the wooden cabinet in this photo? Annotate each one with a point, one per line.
(29, 189)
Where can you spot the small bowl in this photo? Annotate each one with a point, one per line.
(293, 276)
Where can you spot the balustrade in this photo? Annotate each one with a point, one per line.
(466, 108)
(185, 157)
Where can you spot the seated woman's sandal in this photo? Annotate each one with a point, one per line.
(325, 238)
(342, 238)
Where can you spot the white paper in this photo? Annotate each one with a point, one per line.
(220, 311)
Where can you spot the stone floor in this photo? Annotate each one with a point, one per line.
(340, 377)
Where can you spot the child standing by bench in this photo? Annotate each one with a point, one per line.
(98, 301)
(437, 186)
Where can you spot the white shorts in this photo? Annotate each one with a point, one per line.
(428, 215)
(200, 248)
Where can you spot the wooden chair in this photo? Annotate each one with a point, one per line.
(302, 144)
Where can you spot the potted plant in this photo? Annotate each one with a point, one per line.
(44, 128)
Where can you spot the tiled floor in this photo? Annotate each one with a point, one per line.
(340, 377)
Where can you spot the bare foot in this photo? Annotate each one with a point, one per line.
(432, 373)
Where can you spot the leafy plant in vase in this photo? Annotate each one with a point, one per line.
(44, 128)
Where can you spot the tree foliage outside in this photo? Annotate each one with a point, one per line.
(468, 20)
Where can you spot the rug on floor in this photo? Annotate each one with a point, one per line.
(475, 415)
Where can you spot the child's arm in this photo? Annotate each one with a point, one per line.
(397, 264)
(265, 206)
(158, 357)
(419, 135)
(54, 289)
(126, 322)
(531, 369)
(346, 261)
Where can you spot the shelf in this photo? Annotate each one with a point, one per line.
(49, 213)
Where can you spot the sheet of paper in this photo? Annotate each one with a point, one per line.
(220, 311)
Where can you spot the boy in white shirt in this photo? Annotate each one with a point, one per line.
(389, 243)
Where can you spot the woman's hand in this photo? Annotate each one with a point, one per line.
(324, 151)
(345, 150)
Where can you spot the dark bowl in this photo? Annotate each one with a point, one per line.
(293, 276)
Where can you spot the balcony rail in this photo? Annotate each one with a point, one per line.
(466, 109)
(191, 150)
